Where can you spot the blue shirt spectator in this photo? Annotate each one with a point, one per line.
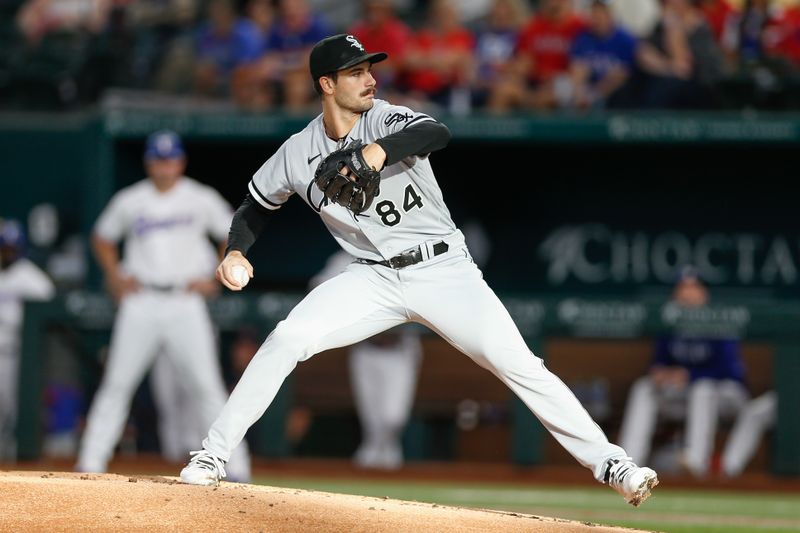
(601, 60)
(495, 42)
(602, 53)
(494, 47)
(284, 39)
(242, 43)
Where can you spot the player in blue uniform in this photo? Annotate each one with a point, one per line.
(698, 378)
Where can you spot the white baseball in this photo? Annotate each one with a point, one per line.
(240, 275)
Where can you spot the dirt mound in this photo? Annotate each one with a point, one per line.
(57, 501)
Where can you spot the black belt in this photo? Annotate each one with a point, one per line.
(161, 288)
(407, 258)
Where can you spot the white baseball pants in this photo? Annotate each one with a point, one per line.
(384, 379)
(147, 323)
(179, 426)
(755, 419)
(703, 403)
(447, 294)
(9, 378)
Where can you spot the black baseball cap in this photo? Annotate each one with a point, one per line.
(338, 52)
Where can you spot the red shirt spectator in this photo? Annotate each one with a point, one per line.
(782, 35)
(432, 80)
(382, 31)
(547, 43)
(390, 36)
(718, 14)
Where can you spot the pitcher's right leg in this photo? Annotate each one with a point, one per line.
(350, 307)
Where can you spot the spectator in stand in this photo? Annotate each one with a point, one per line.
(746, 32)
(284, 65)
(680, 60)
(262, 14)
(161, 36)
(20, 280)
(249, 88)
(382, 30)
(339, 14)
(37, 18)
(696, 378)
(637, 16)
(438, 63)
(718, 14)
(223, 43)
(763, 31)
(603, 58)
(539, 78)
(784, 39)
(494, 46)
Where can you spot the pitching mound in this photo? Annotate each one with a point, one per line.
(56, 501)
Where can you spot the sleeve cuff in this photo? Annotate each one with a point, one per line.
(262, 199)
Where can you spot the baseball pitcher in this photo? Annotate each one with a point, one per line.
(363, 166)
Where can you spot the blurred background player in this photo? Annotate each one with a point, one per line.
(178, 420)
(161, 285)
(383, 375)
(20, 280)
(699, 379)
(753, 421)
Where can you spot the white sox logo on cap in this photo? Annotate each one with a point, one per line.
(354, 42)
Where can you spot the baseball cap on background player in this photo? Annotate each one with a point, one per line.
(689, 290)
(688, 273)
(164, 144)
(12, 241)
(339, 52)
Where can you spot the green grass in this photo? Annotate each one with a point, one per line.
(674, 511)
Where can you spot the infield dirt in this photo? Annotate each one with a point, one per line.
(59, 501)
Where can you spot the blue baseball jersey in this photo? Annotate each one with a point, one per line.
(703, 358)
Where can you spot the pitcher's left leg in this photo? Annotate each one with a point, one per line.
(452, 298)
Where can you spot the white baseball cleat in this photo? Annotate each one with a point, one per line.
(204, 468)
(632, 482)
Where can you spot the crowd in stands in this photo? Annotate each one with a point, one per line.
(458, 55)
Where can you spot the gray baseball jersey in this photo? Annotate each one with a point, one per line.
(408, 210)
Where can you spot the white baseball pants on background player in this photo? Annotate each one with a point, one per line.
(384, 378)
(446, 293)
(702, 404)
(9, 377)
(755, 418)
(20, 281)
(178, 322)
(179, 425)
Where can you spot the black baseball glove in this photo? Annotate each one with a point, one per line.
(354, 191)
